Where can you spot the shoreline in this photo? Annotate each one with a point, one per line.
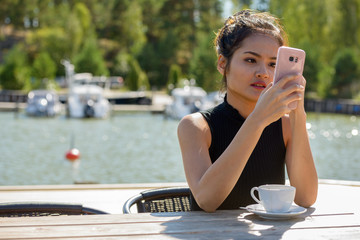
(159, 102)
(153, 108)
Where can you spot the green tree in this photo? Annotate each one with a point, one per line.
(62, 36)
(90, 59)
(160, 33)
(326, 75)
(121, 64)
(347, 23)
(152, 55)
(15, 74)
(50, 40)
(172, 42)
(43, 68)
(101, 12)
(126, 26)
(174, 76)
(346, 77)
(136, 79)
(312, 66)
(20, 14)
(203, 63)
(78, 29)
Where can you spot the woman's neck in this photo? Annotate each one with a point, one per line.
(243, 106)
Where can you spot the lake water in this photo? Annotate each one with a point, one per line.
(140, 147)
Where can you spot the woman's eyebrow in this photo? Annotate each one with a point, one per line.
(253, 53)
(258, 55)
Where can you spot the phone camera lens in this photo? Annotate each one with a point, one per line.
(291, 59)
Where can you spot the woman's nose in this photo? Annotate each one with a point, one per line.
(262, 72)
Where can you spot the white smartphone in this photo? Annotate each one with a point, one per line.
(289, 61)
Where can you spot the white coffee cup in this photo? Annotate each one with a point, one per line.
(275, 198)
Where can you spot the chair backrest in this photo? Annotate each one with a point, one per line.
(37, 209)
(176, 199)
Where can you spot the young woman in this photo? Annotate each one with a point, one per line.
(248, 139)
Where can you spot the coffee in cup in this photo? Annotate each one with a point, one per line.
(274, 198)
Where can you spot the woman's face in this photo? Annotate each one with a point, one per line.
(251, 68)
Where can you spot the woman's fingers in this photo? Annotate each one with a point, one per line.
(281, 98)
(287, 99)
(289, 80)
(290, 89)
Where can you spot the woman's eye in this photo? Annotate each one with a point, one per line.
(250, 60)
(272, 65)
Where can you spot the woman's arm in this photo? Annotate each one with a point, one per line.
(212, 183)
(299, 160)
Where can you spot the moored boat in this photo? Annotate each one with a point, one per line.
(43, 103)
(186, 100)
(87, 101)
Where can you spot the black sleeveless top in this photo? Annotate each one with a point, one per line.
(266, 164)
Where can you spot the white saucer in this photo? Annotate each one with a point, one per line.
(259, 210)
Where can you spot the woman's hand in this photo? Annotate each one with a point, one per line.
(277, 100)
(300, 104)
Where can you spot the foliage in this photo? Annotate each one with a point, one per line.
(174, 76)
(346, 75)
(90, 59)
(203, 64)
(121, 64)
(136, 79)
(43, 68)
(326, 75)
(142, 40)
(323, 28)
(62, 37)
(15, 73)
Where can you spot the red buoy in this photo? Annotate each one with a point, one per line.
(73, 154)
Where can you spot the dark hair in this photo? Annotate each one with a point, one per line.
(240, 26)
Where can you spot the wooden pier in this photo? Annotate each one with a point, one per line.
(17, 101)
(138, 108)
(12, 106)
(17, 107)
(341, 106)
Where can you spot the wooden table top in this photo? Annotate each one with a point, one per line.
(335, 215)
(225, 224)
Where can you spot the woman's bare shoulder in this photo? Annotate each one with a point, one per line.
(193, 125)
(193, 121)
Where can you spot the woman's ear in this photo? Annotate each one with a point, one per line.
(221, 64)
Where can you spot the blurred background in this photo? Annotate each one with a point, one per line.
(153, 47)
(147, 42)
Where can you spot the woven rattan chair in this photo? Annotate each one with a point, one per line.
(39, 209)
(174, 199)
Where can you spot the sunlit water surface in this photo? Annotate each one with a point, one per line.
(140, 147)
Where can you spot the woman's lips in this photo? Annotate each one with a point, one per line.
(259, 85)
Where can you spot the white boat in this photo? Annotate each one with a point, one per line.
(185, 101)
(43, 103)
(87, 101)
(211, 100)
